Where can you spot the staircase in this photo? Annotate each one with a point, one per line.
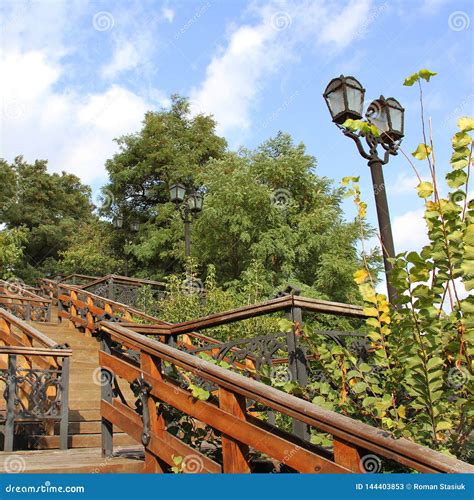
(84, 453)
(84, 391)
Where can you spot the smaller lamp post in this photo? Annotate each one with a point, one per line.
(344, 97)
(133, 227)
(189, 204)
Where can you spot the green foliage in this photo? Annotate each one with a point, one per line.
(361, 126)
(172, 146)
(90, 250)
(268, 206)
(416, 381)
(11, 250)
(49, 206)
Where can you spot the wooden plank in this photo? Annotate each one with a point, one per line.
(165, 446)
(235, 454)
(347, 455)
(250, 433)
(153, 463)
(357, 433)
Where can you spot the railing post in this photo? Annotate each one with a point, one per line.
(297, 363)
(347, 455)
(59, 305)
(106, 395)
(28, 311)
(64, 425)
(152, 366)
(234, 453)
(48, 313)
(11, 391)
(110, 289)
(72, 309)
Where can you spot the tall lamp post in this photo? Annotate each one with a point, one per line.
(189, 204)
(133, 227)
(345, 99)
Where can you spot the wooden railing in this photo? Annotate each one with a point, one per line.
(35, 372)
(23, 303)
(239, 433)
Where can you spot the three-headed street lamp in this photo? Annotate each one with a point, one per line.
(345, 99)
(189, 204)
(133, 227)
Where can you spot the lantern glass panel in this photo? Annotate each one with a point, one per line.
(177, 193)
(118, 222)
(134, 227)
(355, 96)
(195, 203)
(335, 102)
(377, 115)
(396, 116)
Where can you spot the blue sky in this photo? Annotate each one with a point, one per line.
(76, 74)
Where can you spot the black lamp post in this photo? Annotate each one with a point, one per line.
(189, 204)
(134, 227)
(345, 99)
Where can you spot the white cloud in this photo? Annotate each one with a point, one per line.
(125, 57)
(409, 231)
(167, 14)
(239, 71)
(74, 132)
(404, 183)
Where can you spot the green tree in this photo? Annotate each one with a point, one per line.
(48, 205)
(269, 206)
(91, 250)
(11, 250)
(172, 146)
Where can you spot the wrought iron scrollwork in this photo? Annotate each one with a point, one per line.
(142, 388)
(262, 349)
(33, 395)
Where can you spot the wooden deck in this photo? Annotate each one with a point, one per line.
(85, 460)
(84, 429)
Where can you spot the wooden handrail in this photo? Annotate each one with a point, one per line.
(35, 351)
(346, 431)
(42, 356)
(27, 329)
(123, 279)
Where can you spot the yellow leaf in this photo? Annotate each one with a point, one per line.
(466, 123)
(422, 152)
(360, 276)
(401, 411)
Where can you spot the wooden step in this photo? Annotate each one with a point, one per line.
(86, 427)
(79, 460)
(80, 441)
(86, 415)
